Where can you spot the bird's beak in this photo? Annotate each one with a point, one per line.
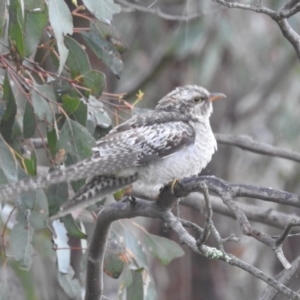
(216, 96)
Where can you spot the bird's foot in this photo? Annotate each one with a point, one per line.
(130, 199)
(173, 185)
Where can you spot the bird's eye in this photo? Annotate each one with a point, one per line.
(197, 99)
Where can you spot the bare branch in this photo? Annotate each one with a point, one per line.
(159, 13)
(287, 277)
(264, 215)
(161, 209)
(228, 192)
(247, 143)
(280, 17)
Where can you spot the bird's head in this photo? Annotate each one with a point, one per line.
(190, 99)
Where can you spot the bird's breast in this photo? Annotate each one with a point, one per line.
(187, 161)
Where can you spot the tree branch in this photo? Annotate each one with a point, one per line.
(161, 209)
(280, 17)
(247, 143)
(264, 215)
(158, 12)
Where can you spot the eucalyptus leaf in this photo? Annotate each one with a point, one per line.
(102, 9)
(76, 140)
(15, 30)
(21, 239)
(136, 290)
(77, 61)
(57, 194)
(103, 49)
(61, 21)
(163, 249)
(42, 95)
(69, 284)
(70, 104)
(72, 228)
(8, 163)
(35, 22)
(97, 114)
(8, 118)
(29, 121)
(95, 82)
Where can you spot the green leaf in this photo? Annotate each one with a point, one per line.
(72, 228)
(115, 258)
(29, 121)
(136, 291)
(77, 61)
(35, 22)
(163, 249)
(135, 246)
(52, 141)
(97, 114)
(95, 81)
(70, 285)
(102, 9)
(76, 140)
(80, 115)
(15, 30)
(39, 213)
(103, 49)
(41, 97)
(8, 162)
(2, 21)
(70, 104)
(8, 118)
(57, 194)
(61, 21)
(21, 239)
(30, 165)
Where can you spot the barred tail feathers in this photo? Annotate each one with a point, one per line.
(93, 191)
(71, 173)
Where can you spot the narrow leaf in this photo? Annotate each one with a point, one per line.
(8, 163)
(21, 239)
(136, 291)
(15, 30)
(35, 22)
(62, 24)
(8, 118)
(29, 121)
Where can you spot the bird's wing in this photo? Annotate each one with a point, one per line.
(139, 146)
(115, 152)
(148, 119)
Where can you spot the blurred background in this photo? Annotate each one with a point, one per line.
(236, 52)
(244, 55)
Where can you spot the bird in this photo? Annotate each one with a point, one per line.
(174, 140)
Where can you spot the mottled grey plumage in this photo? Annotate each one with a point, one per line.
(173, 141)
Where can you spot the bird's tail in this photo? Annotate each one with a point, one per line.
(93, 191)
(71, 173)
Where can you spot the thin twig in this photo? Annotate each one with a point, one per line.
(159, 13)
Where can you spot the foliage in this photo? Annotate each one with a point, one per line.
(49, 90)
